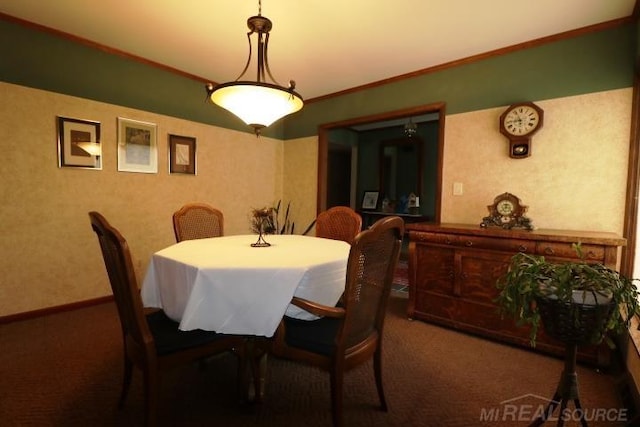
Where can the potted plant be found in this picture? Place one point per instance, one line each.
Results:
(577, 302)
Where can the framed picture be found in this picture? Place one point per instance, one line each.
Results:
(182, 154)
(370, 200)
(137, 146)
(79, 144)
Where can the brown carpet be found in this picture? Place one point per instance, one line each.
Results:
(66, 369)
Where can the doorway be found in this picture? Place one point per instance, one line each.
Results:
(339, 183)
(325, 174)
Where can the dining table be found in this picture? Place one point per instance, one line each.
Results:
(226, 285)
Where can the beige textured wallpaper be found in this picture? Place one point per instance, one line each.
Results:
(301, 180)
(48, 254)
(574, 179)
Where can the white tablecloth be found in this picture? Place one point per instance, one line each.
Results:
(223, 284)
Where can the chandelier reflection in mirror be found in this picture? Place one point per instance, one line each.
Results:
(258, 103)
(410, 128)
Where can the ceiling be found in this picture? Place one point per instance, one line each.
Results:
(325, 46)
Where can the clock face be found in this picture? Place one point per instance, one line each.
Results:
(521, 120)
(505, 207)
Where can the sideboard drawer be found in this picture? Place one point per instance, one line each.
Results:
(508, 245)
(434, 238)
(565, 250)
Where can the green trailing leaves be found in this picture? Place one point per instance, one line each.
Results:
(530, 277)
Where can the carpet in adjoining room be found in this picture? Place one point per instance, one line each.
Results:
(401, 277)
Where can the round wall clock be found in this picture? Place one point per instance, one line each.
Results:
(518, 123)
(507, 212)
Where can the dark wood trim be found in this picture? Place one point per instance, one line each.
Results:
(323, 160)
(53, 310)
(633, 181)
(323, 145)
(443, 114)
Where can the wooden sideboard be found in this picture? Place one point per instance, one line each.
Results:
(453, 269)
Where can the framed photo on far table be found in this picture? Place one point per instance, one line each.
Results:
(370, 200)
(182, 154)
(137, 146)
(79, 144)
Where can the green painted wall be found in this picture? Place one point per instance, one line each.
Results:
(589, 63)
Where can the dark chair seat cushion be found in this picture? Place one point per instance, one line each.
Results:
(317, 336)
(169, 339)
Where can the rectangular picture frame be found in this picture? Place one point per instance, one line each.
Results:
(370, 200)
(79, 143)
(137, 146)
(182, 154)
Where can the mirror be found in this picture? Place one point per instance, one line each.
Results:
(400, 170)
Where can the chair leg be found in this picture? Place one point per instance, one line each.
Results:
(151, 397)
(241, 375)
(252, 370)
(337, 380)
(126, 380)
(377, 371)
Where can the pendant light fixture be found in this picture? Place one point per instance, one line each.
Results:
(258, 103)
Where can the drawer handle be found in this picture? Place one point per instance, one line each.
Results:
(591, 254)
(522, 248)
(447, 241)
(468, 243)
(549, 251)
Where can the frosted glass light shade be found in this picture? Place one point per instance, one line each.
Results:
(258, 104)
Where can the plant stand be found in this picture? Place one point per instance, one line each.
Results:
(573, 324)
(567, 391)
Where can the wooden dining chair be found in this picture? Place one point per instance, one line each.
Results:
(152, 341)
(347, 336)
(339, 223)
(197, 221)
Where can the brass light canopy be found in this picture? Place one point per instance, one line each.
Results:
(258, 103)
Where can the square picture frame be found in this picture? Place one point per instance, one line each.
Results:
(137, 146)
(79, 143)
(182, 154)
(370, 200)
